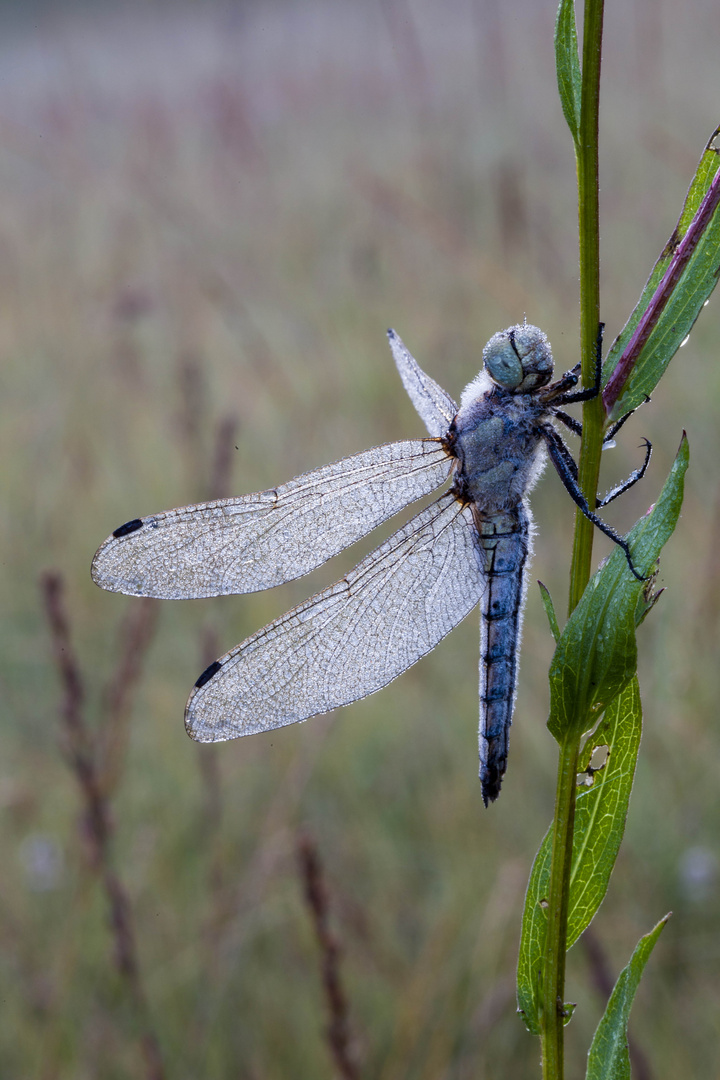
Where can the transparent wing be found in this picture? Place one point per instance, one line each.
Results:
(351, 639)
(260, 540)
(436, 408)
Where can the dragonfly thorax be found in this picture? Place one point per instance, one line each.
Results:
(497, 443)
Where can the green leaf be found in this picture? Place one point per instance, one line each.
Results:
(549, 611)
(532, 938)
(567, 64)
(686, 295)
(609, 1058)
(601, 807)
(597, 654)
(593, 669)
(600, 816)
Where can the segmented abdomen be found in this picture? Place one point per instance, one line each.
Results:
(505, 538)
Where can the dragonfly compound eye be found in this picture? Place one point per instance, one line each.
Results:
(502, 361)
(519, 358)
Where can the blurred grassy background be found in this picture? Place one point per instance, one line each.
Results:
(215, 212)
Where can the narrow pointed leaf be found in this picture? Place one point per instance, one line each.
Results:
(600, 816)
(549, 611)
(532, 938)
(567, 63)
(597, 654)
(681, 283)
(609, 1058)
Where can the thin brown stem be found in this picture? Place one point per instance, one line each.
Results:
(316, 897)
(81, 755)
(222, 462)
(136, 633)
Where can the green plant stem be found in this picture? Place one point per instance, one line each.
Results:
(589, 236)
(553, 1019)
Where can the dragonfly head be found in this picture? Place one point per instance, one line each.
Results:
(519, 358)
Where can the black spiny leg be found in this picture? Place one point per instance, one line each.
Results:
(569, 421)
(571, 465)
(619, 423)
(557, 391)
(563, 460)
(632, 479)
(566, 468)
(594, 390)
(577, 429)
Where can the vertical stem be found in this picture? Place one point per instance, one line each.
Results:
(553, 1016)
(589, 234)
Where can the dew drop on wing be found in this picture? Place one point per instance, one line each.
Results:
(208, 673)
(128, 527)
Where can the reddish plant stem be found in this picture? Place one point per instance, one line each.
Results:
(678, 263)
(136, 634)
(97, 820)
(222, 460)
(316, 897)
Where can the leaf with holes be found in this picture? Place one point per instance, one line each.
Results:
(600, 816)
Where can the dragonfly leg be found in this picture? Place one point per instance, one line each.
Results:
(612, 432)
(633, 478)
(557, 390)
(594, 390)
(569, 421)
(576, 425)
(570, 464)
(566, 469)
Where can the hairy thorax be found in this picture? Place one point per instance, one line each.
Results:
(500, 454)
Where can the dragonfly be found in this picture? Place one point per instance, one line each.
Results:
(469, 547)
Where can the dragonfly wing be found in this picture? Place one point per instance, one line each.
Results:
(260, 540)
(351, 639)
(436, 408)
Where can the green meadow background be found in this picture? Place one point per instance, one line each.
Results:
(209, 217)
